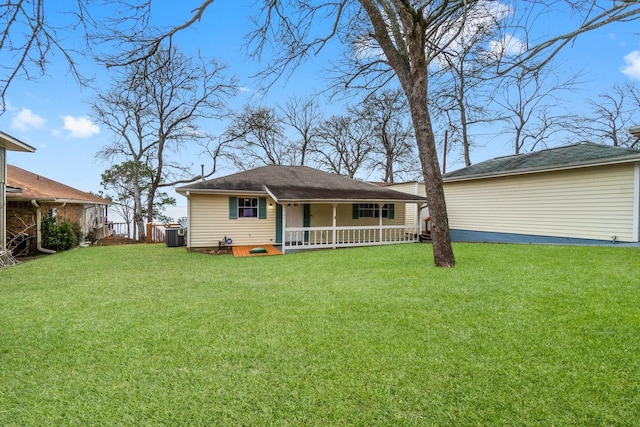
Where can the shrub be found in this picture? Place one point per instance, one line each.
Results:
(60, 237)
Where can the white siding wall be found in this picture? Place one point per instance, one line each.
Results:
(587, 203)
(209, 223)
(411, 210)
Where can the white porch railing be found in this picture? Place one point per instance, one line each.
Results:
(340, 237)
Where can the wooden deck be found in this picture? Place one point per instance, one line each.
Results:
(246, 250)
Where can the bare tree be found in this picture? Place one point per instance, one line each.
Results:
(152, 110)
(611, 115)
(531, 107)
(28, 40)
(303, 115)
(462, 74)
(393, 142)
(257, 138)
(344, 144)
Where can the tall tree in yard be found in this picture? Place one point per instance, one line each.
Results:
(152, 110)
(119, 181)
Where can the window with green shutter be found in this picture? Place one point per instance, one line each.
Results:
(247, 207)
(372, 210)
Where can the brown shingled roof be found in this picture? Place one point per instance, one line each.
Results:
(299, 184)
(33, 186)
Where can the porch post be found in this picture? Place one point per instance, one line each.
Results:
(416, 223)
(284, 227)
(333, 239)
(380, 222)
(636, 204)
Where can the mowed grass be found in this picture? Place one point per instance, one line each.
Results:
(148, 335)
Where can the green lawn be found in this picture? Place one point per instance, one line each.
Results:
(149, 335)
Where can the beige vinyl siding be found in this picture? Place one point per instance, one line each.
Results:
(411, 209)
(586, 203)
(321, 216)
(209, 223)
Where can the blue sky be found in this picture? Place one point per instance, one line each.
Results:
(51, 113)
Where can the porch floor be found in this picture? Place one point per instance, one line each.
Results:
(239, 251)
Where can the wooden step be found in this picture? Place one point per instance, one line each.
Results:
(426, 235)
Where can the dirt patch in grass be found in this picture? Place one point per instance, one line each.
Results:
(115, 240)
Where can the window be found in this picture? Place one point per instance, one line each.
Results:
(247, 207)
(372, 210)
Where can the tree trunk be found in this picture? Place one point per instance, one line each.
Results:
(416, 91)
(442, 250)
(138, 219)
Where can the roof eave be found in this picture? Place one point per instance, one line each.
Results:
(619, 160)
(340, 201)
(14, 144)
(186, 191)
(18, 197)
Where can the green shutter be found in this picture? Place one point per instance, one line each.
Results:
(391, 209)
(355, 211)
(262, 208)
(278, 223)
(233, 208)
(306, 219)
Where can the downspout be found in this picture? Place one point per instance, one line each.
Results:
(38, 229)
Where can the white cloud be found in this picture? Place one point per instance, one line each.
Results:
(509, 45)
(632, 69)
(26, 120)
(81, 127)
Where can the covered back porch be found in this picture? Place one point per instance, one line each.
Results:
(336, 225)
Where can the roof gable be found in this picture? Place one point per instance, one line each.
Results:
(297, 183)
(33, 186)
(570, 156)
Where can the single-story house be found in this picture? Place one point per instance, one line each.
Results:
(297, 207)
(581, 193)
(32, 197)
(7, 143)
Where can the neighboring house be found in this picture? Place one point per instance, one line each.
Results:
(296, 207)
(33, 197)
(7, 143)
(581, 193)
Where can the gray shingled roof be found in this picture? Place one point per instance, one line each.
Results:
(299, 184)
(570, 156)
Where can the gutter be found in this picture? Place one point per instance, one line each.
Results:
(39, 229)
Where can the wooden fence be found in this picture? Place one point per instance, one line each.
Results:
(155, 232)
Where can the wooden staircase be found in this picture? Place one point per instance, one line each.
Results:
(426, 231)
